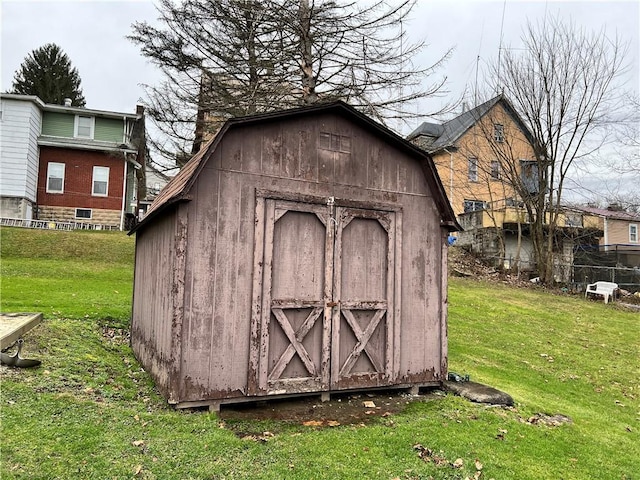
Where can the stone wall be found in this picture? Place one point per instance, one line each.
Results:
(67, 214)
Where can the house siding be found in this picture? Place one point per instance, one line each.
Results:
(56, 124)
(21, 123)
(618, 232)
(109, 130)
(78, 180)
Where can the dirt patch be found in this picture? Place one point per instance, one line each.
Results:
(311, 412)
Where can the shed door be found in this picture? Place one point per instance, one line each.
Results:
(363, 323)
(324, 284)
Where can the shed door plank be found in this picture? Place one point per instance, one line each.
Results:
(258, 255)
(267, 264)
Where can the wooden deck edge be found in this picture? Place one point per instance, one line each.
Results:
(13, 333)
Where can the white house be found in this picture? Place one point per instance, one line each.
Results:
(21, 122)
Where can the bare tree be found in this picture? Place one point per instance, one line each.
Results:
(625, 157)
(225, 58)
(563, 84)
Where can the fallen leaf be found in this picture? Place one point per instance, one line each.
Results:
(312, 423)
(333, 423)
(137, 443)
(386, 414)
(458, 463)
(478, 465)
(369, 412)
(137, 470)
(369, 404)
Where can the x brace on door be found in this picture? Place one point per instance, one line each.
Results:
(295, 346)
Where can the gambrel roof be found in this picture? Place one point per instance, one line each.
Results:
(177, 190)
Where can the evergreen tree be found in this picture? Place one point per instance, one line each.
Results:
(47, 72)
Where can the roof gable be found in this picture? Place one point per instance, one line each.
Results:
(455, 128)
(177, 190)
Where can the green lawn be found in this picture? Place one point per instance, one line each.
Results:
(90, 412)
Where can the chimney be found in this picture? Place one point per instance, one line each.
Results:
(139, 109)
(615, 207)
(67, 102)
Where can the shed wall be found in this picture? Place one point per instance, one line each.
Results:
(152, 332)
(285, 157)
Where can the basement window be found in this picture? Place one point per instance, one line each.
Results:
(83, 213)
(473, 206)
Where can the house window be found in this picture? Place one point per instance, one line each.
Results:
(633, 233)
(84, 126)
(573, 220)
(495, 170)
(498, 132)
(55, 177)
(529, 175)
(100, 181)
(473, 206)
(473, 169)
(83, 213)
(334, 142)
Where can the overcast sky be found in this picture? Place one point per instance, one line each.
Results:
(92, 33)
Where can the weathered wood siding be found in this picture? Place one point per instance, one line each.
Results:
(156, 341)
(286, 156)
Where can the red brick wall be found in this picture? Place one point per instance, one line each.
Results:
(78, 179)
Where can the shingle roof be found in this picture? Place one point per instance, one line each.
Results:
(427, 128)
(604, 212)
(177, 190)
(453, 129)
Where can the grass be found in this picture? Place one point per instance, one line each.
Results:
(90, 411)
(77, 274)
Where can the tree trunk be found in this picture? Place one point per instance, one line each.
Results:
(309, 94)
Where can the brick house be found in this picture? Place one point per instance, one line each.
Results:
(69, 164)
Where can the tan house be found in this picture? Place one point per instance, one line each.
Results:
(480, 154)
(621, 229)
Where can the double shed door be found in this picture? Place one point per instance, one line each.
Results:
(325, 287)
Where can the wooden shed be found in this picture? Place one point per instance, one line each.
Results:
(301, 251)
